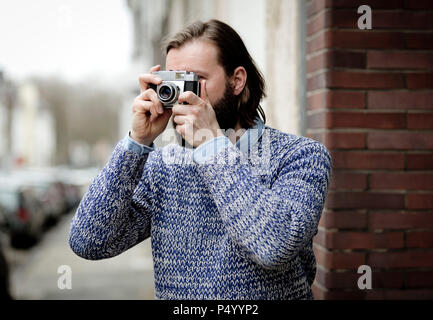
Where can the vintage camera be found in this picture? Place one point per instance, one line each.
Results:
(174, 83)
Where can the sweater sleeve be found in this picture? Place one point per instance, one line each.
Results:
(270, 225)
(114, 214)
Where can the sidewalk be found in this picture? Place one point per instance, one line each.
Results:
(34, 273)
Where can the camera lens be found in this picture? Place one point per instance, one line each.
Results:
(165, 92)
(168, 93)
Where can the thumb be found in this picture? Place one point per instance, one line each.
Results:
(203, 93)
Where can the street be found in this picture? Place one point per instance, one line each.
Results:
(35, 273)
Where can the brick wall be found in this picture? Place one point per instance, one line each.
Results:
(370, 101)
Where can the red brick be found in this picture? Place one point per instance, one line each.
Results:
(319, 22)
(357, 200)
(399, 60)
(318, 81)
(363, 80)
(399, 294)
(333, 280)
(318, 62)
(400, 100)
(419, 81)
(419, 161)
(355, 80)
(400, 220)
(420, 201)
(343, 219)
(318, 120)
(337, 59)
(381, 19)
(419, 239)
(367, 160)
(377, 4)
(319, 41)
(364, 40)
(359, 39)
(402, 259)
(345, 99)
(348, 180)
(401, 181)
(348, 59)
(387, 279)
(318, 292)
(345, 295)
(363, 240)
(419, 40)
(349, 279)
(344, 18)
(316, 101)
(400, 140)
(402, 20)
(316, 6)
(339, 260)
(336, 100)
(420, 121)
(345, 140)
(419, 4)
(367, 120)
(419, 279)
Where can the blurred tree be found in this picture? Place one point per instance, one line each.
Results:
(83, 112)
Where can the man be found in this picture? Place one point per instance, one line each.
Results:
(230, 218)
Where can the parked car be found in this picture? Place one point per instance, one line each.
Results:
(5, 293)
(23, 213)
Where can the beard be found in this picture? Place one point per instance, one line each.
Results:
(226, 112)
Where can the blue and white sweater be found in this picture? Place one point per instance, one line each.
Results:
(226, 221)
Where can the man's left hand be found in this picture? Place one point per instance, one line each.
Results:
(196, 121)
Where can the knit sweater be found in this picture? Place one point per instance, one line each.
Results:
(238, 225)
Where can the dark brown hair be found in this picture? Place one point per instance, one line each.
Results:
(232, 54)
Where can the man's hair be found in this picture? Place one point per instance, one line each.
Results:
(232, 54)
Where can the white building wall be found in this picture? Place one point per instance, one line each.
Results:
(33, 129)
(283, 67)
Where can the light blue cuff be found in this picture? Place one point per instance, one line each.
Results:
(132, 145)
(210, 148)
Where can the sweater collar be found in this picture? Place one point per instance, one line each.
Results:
(251, 136)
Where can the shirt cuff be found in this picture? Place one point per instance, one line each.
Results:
(132, 145)
(210, 148)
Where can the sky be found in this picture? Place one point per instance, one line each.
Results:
(71, 39)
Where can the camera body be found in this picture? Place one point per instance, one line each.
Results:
(173, 84)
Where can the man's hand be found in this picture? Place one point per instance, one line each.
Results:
(149, 117)
(196, 122)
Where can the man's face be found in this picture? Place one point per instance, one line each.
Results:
(200, 56)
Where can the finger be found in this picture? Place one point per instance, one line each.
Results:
(151, 95)
(203, 93)
(181, 129)
(146, 78)
(140, 106)
(146, 107)
(180, 120)
(155, 68)
(189, 97)
(181, 109)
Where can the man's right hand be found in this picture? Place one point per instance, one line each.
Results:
(149, 117)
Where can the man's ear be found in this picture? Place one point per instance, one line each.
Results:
(238, 80)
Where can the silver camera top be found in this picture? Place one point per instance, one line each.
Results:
(176, 75)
